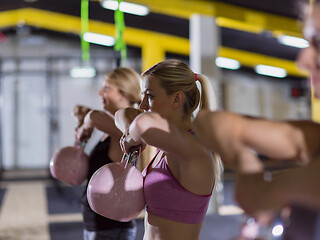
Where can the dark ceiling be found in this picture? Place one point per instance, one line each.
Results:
(289, 8)
(259, 43)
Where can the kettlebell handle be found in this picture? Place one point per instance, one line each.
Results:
(80, 144)
(132, 158)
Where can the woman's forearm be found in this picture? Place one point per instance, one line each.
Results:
(102, 121)
(152, 129)
(223, 132)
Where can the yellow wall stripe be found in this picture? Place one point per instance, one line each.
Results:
(132, 36)
(154, 42)
(11, 18)
(250, 59)
(315, 107)
(241, 18)
(154, 45)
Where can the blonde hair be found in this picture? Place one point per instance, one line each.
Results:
(128, 81)
(175, 75)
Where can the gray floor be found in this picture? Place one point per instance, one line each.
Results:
(38, 208)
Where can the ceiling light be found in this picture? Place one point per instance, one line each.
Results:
(98, 39)
(83, 72)
(126, 7)
(293, 41)
(271, 71)
(227, 63)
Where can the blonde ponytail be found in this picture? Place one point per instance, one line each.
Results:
(208, 99)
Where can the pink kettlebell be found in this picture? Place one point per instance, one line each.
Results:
(70, 165)
(115, 190)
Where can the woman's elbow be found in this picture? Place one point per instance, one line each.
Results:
(143, 123)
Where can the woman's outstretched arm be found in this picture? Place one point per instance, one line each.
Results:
(238, 138)
(100, 120)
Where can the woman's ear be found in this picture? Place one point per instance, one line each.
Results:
(178, 99)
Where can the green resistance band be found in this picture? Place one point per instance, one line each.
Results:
(120, 44)
(85, 46)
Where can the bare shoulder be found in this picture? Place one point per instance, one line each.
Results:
(217, 117)
(193, 148)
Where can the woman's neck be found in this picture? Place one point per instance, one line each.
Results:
(183, 124)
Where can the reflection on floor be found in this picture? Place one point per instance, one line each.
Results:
(35, 207)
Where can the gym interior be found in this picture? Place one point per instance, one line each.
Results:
(41, 47)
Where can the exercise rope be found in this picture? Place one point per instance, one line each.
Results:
(120, 44)
(85, 46)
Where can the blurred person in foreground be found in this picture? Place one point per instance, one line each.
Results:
(240, 139)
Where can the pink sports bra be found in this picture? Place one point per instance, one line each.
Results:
(167, 198)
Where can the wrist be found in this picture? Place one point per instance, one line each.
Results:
(278, 194)
(88, 121)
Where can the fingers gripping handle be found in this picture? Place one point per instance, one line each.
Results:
(131, 159)
(80, 144)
